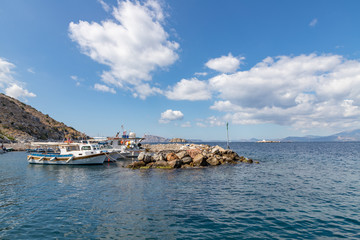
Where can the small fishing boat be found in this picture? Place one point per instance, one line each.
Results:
(126, 146)
(68, 153)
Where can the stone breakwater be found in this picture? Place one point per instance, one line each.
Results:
(186, 156)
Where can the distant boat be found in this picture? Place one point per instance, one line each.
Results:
(267, 141)
(70, 154)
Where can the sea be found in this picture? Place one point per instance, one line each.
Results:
(297, 191)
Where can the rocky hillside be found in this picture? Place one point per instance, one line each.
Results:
(21, 122)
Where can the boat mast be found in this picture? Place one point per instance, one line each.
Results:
(227, 133)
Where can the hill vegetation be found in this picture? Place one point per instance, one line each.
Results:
(21, 122)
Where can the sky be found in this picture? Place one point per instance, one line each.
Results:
(271, 69)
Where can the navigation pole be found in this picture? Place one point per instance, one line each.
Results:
(227, 134)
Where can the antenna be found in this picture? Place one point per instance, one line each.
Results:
(227, 133)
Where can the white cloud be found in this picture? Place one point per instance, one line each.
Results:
(192, 90)
(211, 122)
(201, 74)
(313, 22)
(186, 124)
(104, 88)
(133, 44)
(77, 80)
(170, 115)
(18, 92)
(12, 87)
(104, 5)
(30, 70)
(225, 64)
(306, 91)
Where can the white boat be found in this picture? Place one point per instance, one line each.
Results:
(83, 153)
(126, 146)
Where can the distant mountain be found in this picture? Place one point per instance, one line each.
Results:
(346, 136)
(152, 139)
(21, 122)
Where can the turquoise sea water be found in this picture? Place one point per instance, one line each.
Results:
(298, 191)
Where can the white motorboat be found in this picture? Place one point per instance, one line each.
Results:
(67, 153)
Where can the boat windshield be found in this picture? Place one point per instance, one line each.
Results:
(88, 147)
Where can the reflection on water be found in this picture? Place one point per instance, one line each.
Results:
(298, 190)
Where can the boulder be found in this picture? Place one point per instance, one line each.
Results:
(158, 157)
(247, 160)
(199, 160)
(141, 156)
(193, 152)
(182, 154)
(160, 163)
(171, 157)
(175, 163)
(228, 160)
(186, 160)
(147, 158)
(230, 154)
(213, 161)
(137, 164)
(219, 148)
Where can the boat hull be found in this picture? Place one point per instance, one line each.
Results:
(66, 159)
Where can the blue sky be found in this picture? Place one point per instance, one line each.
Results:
(184, 68)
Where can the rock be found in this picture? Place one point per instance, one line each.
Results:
(182, 154)
(230, 154)
(137, 164)
(215, 151)
(199, 160)
(157, 157)
(160, 163)
(193, 152)
(175, 163)
(218, 148)
(228, 160)
(186, 160)
(171, 157)
(147, 158)
(247, 160)
(141, 156)
(186, 166)
(213, 161)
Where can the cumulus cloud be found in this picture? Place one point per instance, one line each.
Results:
(12, 87)
(133, 44)
(225, 64)
(306, 91)
(170, 115)
(104, 88)
(192, 89)
(18, 92)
